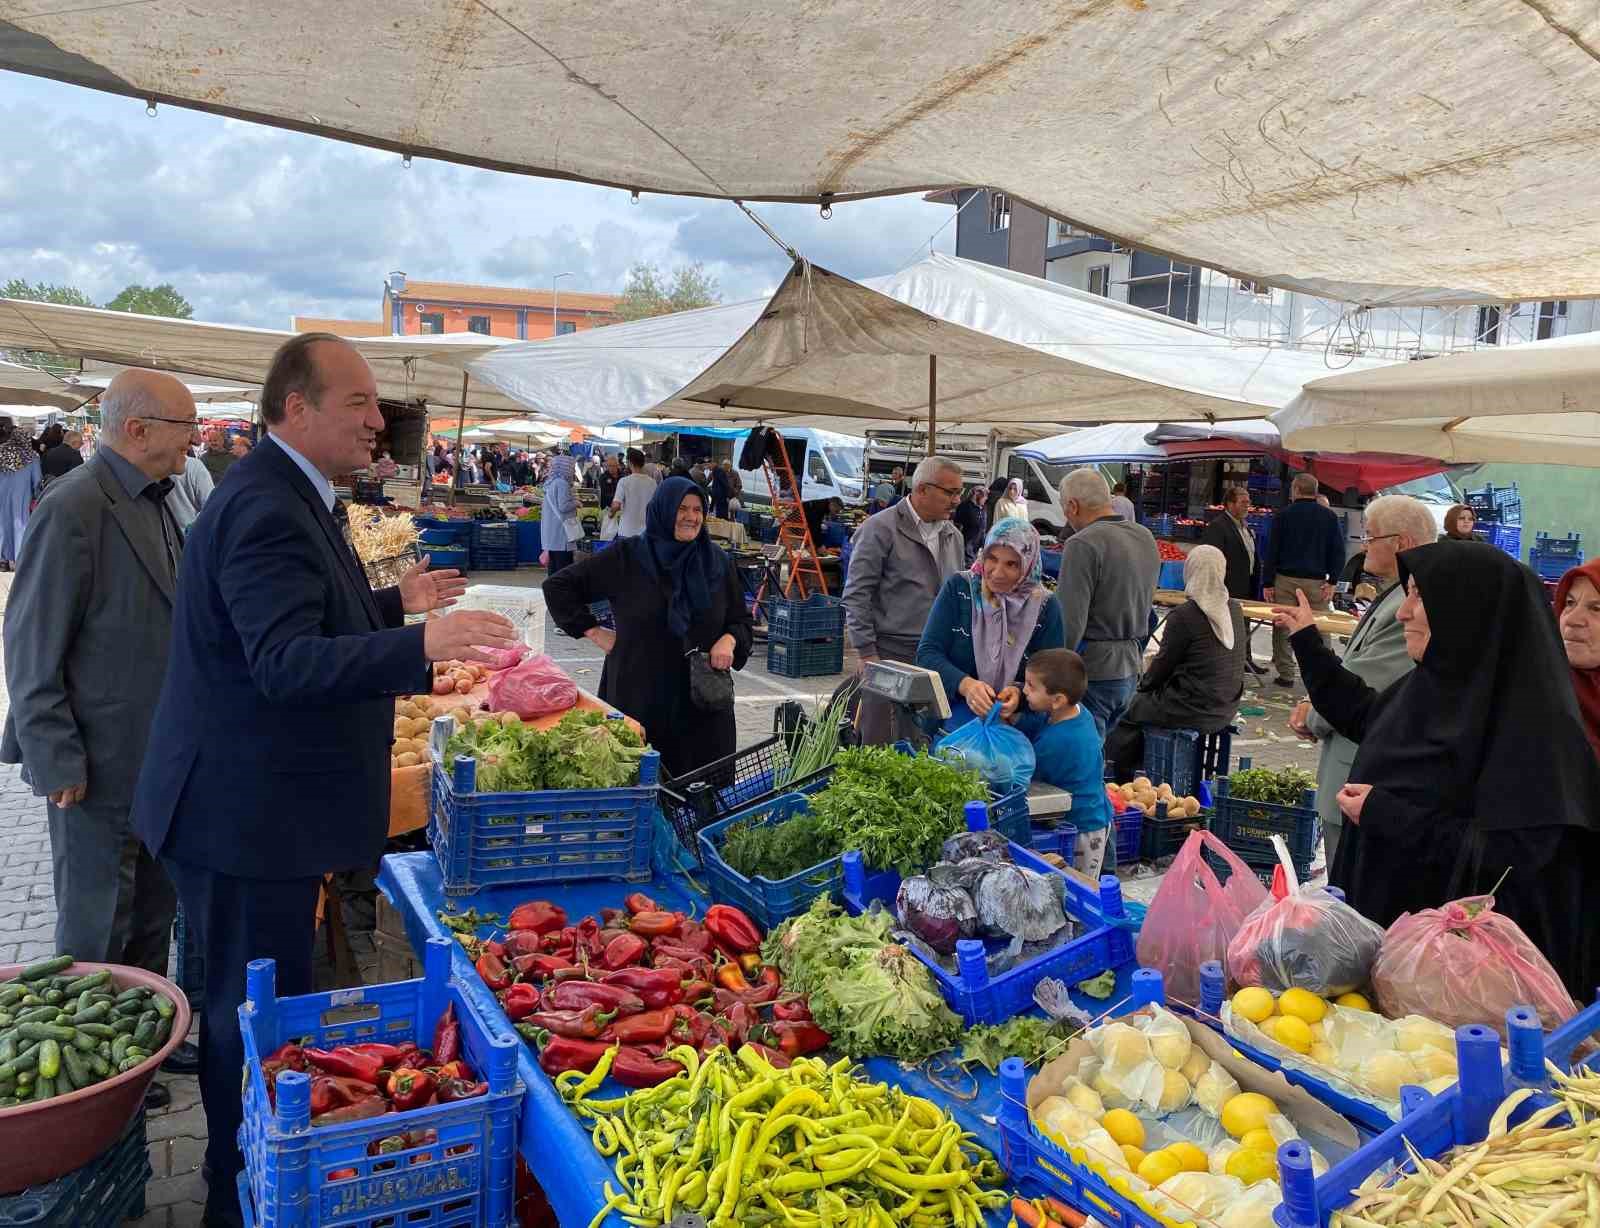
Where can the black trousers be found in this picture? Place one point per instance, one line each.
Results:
(238, 920)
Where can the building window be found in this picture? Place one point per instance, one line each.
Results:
(1250, 286)
(999, 212)
(1488, 330)
(563, 327)
(478, 324)
(1100, 280)
(1552, 319)
(433, 321)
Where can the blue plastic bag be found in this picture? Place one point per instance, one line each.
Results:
(1000, 753)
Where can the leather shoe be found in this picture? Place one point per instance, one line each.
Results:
(1283, 682)
(184, 1060)
(157, 1097)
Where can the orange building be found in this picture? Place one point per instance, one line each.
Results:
(339, 328)
(412, 308)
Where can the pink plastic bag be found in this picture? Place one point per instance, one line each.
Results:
(534, 687)
(1465, 963)
(1194, 916)
(504, 658)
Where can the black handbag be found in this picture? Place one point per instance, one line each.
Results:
(711, 689)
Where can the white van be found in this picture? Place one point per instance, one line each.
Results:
(834, 467)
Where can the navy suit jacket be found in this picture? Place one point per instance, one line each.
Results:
(269, 751)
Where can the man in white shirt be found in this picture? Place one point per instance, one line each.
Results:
(633, 496)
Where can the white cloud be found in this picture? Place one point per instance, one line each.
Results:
(254, 225)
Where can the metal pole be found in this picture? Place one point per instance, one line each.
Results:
(461, 444)
(555, 307)
(933, 399)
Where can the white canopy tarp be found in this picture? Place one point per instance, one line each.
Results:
(23, 385)
(1137, 443)
(426, 368)
(1012, 351)
(1437, 149)
(1535, 403)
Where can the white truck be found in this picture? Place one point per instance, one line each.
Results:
(983, 457)
(834, 467)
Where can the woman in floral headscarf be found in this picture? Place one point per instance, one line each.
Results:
(19, 482)
(986, 623)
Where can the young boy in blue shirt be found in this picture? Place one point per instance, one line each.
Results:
(1069, 751)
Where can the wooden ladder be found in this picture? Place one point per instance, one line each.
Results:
(794, 533)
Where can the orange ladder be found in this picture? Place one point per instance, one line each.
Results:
(794, 534)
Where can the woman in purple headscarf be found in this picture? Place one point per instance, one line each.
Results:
(986, 623)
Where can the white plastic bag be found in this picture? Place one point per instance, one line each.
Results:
(608, 527)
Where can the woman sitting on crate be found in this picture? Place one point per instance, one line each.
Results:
(672, 593)
(1473, 773)
(986, 623)
(1197, 676)
(1578, 608)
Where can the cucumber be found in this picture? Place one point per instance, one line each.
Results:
(43, 1089)
(39, 1014)
(76, 1068)
(100, 1066)
(144, 1036)
(12, 993)
(163, 1005)
(119, 1048)
(25, 1080)
(49, 1059)
(100, 1031)
(8, 1048)
(135, 994)
(45, 967)
(54, 997)
(95, 1014)
(84, 1042)
(124, 1024)
(128, 1063)
(92, 980)
(131, 1009)
(48, 1031)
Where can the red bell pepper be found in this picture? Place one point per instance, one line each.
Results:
(697, 991)
(562, 1053)
(493, 971)
(637, 902)
(766, 988)
(613, 917)
(575, 995)
(586, 1024)
(540, 916)
(328, 1092)
(523, 942)
(778, 1060)
(460, 1089)
(655, 999)
(797, 1039)
(447, 1036)
(520, 1001)
(587, 938)
(413, 1058)
(732, 930)
(359, 1110)
(633, 1068)
(672, 948)
(559, 942)
(742, 1018)
(457, 1069)
(540, 967)
(749, 964)
(689, 1026)
(289, 1056)
(716, 1034)
(689, 970)
(623, 951)
(655, 924)
(650, 1025)
(731, 976)
(791, 1010)
(387, 1054)
(641, 979)
(494, 946)
(391, 1143)
(410, 1089)
(692, 934)
(346, 1063)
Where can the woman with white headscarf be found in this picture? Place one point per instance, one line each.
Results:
(1197, 677)
(1013, 504)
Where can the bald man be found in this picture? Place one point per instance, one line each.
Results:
(86, 632)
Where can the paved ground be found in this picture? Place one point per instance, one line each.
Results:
(177, 1134)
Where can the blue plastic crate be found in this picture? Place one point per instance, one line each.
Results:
(1129, 825)
(1160, 838)
(101, 1194)
(601, 611)
(1162, 526)
(465, 1176)
(1569, 548)
(833, 534)
(809, 618)
(1058, 838)
(438, 537)
(1550, 567)
(1248, 827)
(458, 531)
(804, 658)
(1505, 537)
(1050, 562)
(550, 836)
(1106, 943)
(1172, 757)
(530, 541)
(442, 557)
(1260, 868)
(1171, 575)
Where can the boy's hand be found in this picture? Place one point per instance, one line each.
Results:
(979, 696)
(1010, 700)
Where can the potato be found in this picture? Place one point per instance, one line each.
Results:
(463, 715)
(402, 727)
(420, 726)
(1191, 807)
(422, 705)
(509, 719)
(409, 759)
(405, 708)
(463, 686)
(401, 746)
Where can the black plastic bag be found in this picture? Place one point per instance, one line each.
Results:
(1016, 903)
(939, 914)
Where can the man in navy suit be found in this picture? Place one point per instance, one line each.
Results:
(270, 764)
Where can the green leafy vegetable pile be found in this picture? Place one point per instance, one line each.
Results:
(1283, 787)
(777, 850)
(1027, 1036)
(583, 751)
(871, 994)
(897, 809)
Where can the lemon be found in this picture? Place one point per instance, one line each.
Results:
(1259, 1140)
(1294, 1033)
(1323, 1054)
(1246, 1112)
(1133, 1155)
(1190, 1156)
(1159, 1166)
(1123, 1127)
(1251, 1166)
(1302, 1004)
(1254, 1003)
(1354, 1001)
(1269, 1027)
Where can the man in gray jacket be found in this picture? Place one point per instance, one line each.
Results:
(899, 558)
(1109, 569)
(1376, 651)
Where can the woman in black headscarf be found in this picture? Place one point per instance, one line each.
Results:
(672, 591)
(1474, 765)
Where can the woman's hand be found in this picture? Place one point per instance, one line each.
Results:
(1297, 720)
(603, 638)
(1351, 800)
(722, 653)
(979, 696)
(1009, 700)
(1297, 619)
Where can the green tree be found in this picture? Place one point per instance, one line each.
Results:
(162, 300)
(647, 293)
(43, 292)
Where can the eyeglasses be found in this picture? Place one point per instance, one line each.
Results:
(947, 491)
(1382, 537)
(190, 422)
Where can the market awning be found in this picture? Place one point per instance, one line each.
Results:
(1130, 443)
(1011, 350)
(428, 368)
(1366, 150)
(1534, 403)
(22, 385)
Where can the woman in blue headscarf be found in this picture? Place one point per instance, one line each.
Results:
(986, 623)
(559, 511)
(672, 591)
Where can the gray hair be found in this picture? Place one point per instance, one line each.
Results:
(1088, 487)
(132, 400)
(1402, 514)
(1304, 485)
(930, 467)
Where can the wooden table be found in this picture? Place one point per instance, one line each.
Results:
(1330, 622)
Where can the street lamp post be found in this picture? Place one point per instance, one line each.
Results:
(555, 309)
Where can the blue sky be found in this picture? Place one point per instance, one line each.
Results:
(254, 225)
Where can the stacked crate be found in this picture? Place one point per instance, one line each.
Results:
(805, 637)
